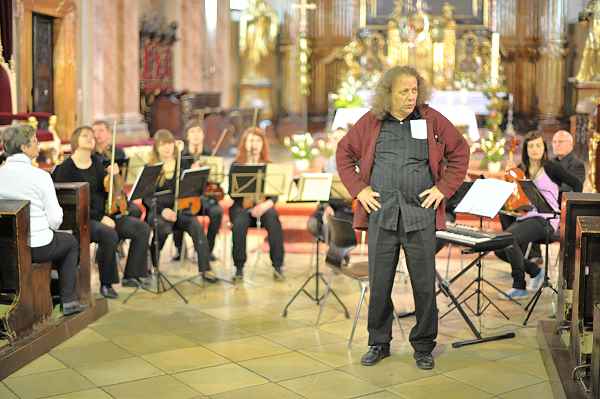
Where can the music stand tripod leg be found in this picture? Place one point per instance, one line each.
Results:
(160, 277)
(302, 289)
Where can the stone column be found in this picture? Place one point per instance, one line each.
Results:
(114, 90)
(551, 77)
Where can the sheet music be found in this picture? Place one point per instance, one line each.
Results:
(315, 186)
(338, 190)
(486, 197)
(277, 178)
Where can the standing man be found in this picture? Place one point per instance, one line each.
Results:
(401, 160)
(562, 147)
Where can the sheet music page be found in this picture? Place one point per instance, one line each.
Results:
(486, 197)
(277, 178)
(315, 186)
(338, 190)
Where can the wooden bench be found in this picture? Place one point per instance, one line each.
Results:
(30, 330)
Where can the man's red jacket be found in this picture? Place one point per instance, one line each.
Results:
(448, 159)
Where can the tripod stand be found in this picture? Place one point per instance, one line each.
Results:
(542, 205)
(161, 279)
(317, 275)
(546, 284)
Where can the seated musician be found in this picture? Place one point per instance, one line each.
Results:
(22, 181)
(164, 150)
(254, 148)
(194, 147)
(548, 176)
(103, 150)
(106, 230)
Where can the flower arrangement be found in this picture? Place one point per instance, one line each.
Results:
(493, 146)
(347, 95)
(301, 146)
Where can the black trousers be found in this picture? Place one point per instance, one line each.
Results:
(242, 220)
(188, 223)
(214, 211)
(384, 252)
(108, 238)
(63, 252)
(523, 231)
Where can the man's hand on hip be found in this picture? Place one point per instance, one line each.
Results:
(368, 199)
(433, 196)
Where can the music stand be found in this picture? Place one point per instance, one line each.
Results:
(144, 187)
(539, 202)
(313, 187)
(482, 198)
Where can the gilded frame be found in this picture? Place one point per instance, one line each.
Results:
(375, 13)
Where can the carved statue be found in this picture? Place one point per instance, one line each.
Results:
(258, 33)
(590, 60)
(449, 43)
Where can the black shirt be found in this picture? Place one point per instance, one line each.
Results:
(400, 173)
(68, 172)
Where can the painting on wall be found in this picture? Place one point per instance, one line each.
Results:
(466, 12)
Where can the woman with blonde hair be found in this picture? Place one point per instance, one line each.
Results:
(164, 150)
(254, 148)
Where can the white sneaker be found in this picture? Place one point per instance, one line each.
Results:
(515, 294)
(536, 282)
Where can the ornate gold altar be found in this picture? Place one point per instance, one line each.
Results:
(448, 57)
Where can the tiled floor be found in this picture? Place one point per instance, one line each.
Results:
(231, 342)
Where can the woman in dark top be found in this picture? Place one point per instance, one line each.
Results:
(105, 230)
(254, 148)
(193, 150)
(164, 150)
(532, 225)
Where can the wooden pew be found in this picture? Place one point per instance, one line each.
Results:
(573, 205)
(596, 354)
(29, 300)
(25, 347)
(586, 293)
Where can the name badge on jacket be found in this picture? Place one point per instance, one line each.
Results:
(418, 129)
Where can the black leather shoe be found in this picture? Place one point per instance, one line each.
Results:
(72, 308)
(108, 292)
(130, 282)
(209, 276)
(212, 258)
(424, 360)
(375, 354)
(239, 274)
(278, 273)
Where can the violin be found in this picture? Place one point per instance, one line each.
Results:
(518, 201)
(114, 184)
(193, 204)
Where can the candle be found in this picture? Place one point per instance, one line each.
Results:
(495, 59)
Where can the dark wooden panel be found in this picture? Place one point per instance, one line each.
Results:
(586, 291)
(573, 205)
(74, 198)
(596, 354)
(43, 61)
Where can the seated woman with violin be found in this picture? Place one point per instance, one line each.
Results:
(106, 227)
(169, 217)
(530, 225)
(193, 150)
(244, 212)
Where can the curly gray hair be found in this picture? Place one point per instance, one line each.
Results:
(16, 136)
(382, 98)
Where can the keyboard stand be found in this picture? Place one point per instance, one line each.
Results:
(457, 304)
(444, 287)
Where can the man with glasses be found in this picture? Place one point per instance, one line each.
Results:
(562, 147)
